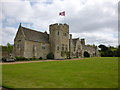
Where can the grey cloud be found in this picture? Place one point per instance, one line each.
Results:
(93, 18)
(81, 17)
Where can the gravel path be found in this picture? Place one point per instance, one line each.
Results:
(18, 62)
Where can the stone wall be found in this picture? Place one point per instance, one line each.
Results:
(78, 48)
(90, 49)
(59, 39)
(36, 49)
(19, 44)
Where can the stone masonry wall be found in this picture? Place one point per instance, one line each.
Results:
(36, 49)
(59, 38)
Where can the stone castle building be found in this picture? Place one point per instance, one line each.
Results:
(30, 43)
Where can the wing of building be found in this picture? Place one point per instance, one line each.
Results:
(31, 43)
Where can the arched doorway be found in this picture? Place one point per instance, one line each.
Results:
(86, 54)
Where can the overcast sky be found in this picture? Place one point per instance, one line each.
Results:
(94, 20)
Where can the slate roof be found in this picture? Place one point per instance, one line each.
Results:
(35, 35)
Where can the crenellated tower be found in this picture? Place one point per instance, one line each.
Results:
(59, 39)
(83, 41)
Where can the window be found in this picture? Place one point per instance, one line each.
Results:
(57, 47)
(58, 32)
(63, 47)
(65, 34)
(43, 46)
(66, 48)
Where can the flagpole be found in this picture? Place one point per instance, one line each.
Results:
(62, 19)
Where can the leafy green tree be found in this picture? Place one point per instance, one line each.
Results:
(9, 47)
(117, 52)
(103, 48)
(109, 51)
(106, 51)
(68, 54)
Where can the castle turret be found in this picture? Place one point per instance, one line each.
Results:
(83, 41)
(59, 39)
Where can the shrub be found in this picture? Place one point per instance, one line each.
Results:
(25, 59)
(20, 58)
(40, 58)
(50, 56)
(68, 55)
(63, 53)
(30, 58)
(33, 58)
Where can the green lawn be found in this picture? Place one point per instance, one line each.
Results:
(85, 73)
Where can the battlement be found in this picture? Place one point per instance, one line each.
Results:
(83, 41)
(58, 26)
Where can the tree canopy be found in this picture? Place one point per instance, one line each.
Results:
(109, 51)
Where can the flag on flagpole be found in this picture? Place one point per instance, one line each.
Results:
(62, 13)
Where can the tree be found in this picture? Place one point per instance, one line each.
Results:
(103, 48)
(9, 47)
(117, 52)
(109, 53)
(68, 54)
(106, 51)
(65, 54)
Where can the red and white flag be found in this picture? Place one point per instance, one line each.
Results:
(62, 13)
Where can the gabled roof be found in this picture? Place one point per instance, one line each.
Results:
(35, 35)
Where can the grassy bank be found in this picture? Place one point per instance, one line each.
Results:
(87, 73)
